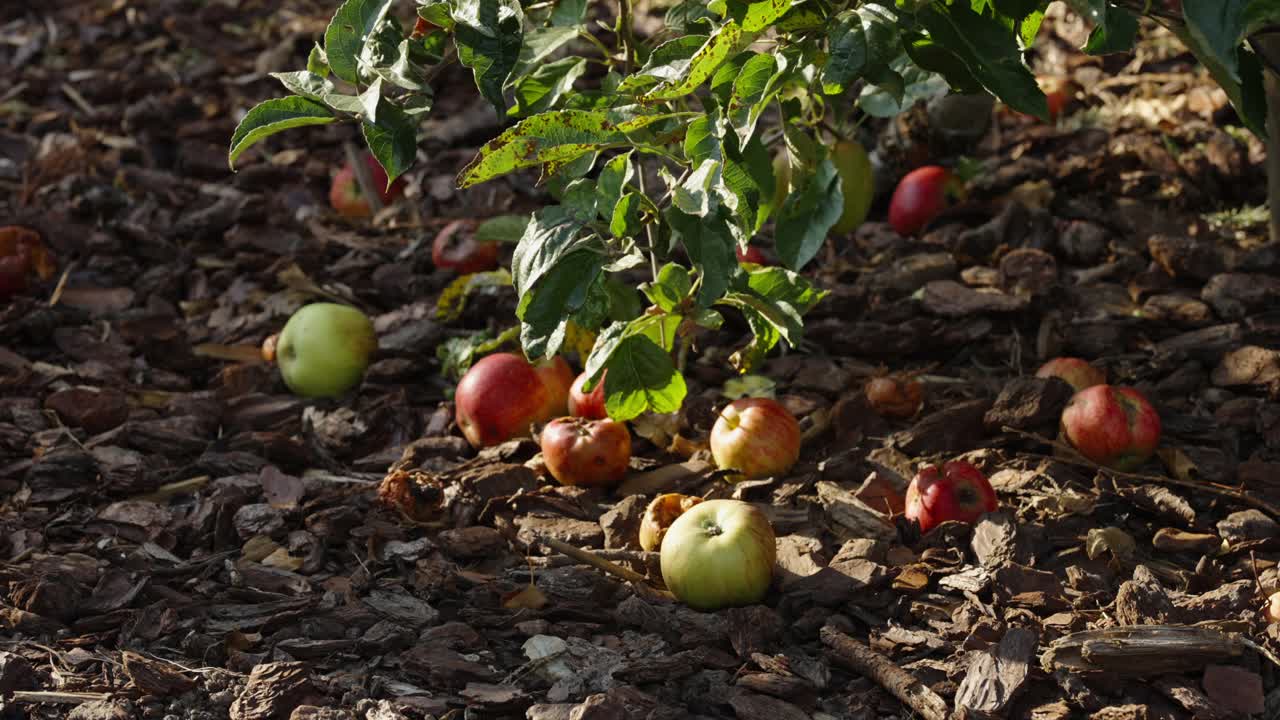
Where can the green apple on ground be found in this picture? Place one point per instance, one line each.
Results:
(502, 395)
(658, 516)
(1115, 427)
(956, 491)
(324, 349)
(1076, 372)
(755, 436)
(584, 452)
(718, 554)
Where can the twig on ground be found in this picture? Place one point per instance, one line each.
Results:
(592, 559)
(900, 683)
(1072, 457)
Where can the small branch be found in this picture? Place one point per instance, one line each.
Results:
(1073, 457)
(70, 698)
(363, 178)
(626, 34)
(593, 560)
(900, 683)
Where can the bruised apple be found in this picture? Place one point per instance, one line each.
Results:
(1076, 372)
(503, 394)
(718, 554)
(955, 491)
(1113, 426)
(591, 453)
(892, 397)
(755, 436)
(588, 404)
(346, 197)
(659, 515)
(324, 349)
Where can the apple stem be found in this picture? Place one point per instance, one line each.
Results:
(592, 559)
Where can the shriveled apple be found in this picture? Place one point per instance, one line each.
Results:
(658, 516)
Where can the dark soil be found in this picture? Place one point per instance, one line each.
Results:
(183, 538)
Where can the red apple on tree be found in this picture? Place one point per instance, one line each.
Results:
(956, 491)
(592, 453)
(503, 394)
(1077, 372)
(588, 404)
(346, 197)
(717, 554)
(457, 249)
(920, 196)
(1113, 426)
(755, 436)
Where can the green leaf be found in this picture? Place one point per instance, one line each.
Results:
(305, 83)
(555, 137)
(272, 116)
(540, 90)
(458, 353)
(317, 62)
(749, 176)
(1218, 28)
(544, 311)
(502, 228)
(918, 84)
(682, 17)
(782, 285)
(1017, 9)
(721, 45)
(626, 220)
(1114, 29)
(1243, 83)
(551, 234)
(807, 215)
(641, 378)
(540, 43)
(345, 36)
(393, 139)
(755, 16)
(710, 243)
(755, 87)
(769, 322)
(569, 13)
(668, 62)
(863, 42)
(989, 51)
(671, 289)
(489, 35)
(612, 183)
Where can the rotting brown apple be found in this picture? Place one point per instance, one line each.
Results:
(658, 516)
(1076, 372)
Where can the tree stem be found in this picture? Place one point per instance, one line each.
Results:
(626, 34)
(1272, 83)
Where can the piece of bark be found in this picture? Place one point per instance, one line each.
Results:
(997, 675)
(1142, 650)
(898, 682)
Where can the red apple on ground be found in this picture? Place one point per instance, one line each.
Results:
(1077, 372)
(752, 254)
(455, 248)
(1113, 426)
(920, 196)
(591, 453)
(324, 349)
(717, 554)
(503, 394)
(755, 436)
(956, 491)
(23, 255)
(892, 397)
(346, 197)
(659, 515)
(588, 404)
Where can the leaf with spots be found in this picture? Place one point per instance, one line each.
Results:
(719, 47)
